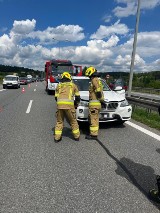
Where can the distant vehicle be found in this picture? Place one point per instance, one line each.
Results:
(23, 80)
(118, 83)
(117, 107)
(29, 76)
(11, 81)
(53, 70)
(34, 79)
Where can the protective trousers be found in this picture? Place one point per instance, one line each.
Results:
(71, 115)
(94, 121)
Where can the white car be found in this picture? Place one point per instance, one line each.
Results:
(117, 107)
(11, 81)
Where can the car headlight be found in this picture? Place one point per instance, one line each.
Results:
(84, 103)
(124, 103)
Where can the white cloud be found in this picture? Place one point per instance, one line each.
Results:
(23, 27)
(107, 18)
(148, 44)
(18, 49)
(71, 33)
(106, 31)
(131, 7)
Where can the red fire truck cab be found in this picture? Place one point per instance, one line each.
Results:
(53, 70)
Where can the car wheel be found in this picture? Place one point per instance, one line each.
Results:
(49, 92)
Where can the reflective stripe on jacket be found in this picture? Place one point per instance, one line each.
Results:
(65, 93)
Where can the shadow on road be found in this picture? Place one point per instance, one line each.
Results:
(141, 176)
(67, 132)
(158, 150)
(84, 126)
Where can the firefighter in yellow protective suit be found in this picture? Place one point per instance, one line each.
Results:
(65, 93)
(96, 101)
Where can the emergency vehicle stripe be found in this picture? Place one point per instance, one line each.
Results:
(94, 128)
(75, 131)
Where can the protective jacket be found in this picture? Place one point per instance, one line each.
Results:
(95, 93)
(65, 93)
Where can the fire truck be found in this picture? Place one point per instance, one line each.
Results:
(53, 70)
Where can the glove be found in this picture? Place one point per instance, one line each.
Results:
(75, 104)
(103, 104)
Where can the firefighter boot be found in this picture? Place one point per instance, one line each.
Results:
(91, 137)
(56, 141)
(155, 194)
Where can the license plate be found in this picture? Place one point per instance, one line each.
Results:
(106, 115)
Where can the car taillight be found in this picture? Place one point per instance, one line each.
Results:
(52, 79)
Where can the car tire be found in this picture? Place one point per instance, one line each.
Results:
(49, 92)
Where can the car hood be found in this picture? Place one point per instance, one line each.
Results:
(108, 96)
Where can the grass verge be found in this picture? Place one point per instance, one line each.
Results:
(151, 119)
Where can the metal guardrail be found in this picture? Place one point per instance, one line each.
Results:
(151, 98)
(148, 104)
(146, 90)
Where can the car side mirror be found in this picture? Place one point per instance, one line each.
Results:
(118, 88)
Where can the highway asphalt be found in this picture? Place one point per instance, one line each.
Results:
(110, 175)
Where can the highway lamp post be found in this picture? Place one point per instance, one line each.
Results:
(66, 40)
(134, 49)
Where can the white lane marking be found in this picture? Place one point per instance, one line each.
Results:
(143, 130)
(29, 106)
(34, 90)
(2, 90)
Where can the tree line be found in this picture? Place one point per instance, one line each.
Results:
(21, 71)
(145, 79)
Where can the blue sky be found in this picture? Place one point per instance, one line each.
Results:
(98, 33)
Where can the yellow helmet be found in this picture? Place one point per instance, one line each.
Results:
(66, 75)
(90, 71)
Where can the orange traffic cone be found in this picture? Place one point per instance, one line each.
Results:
(23, 90)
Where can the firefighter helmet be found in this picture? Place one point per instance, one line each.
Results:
(90, 71)
(66, 75)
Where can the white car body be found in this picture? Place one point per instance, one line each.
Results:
(117, 107)
(11, 81)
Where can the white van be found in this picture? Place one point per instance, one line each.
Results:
(11, 81)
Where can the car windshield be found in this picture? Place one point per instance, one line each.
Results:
(105, 86)
(22, 78)
(10, 78)
(60, 69)
(83, 84)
